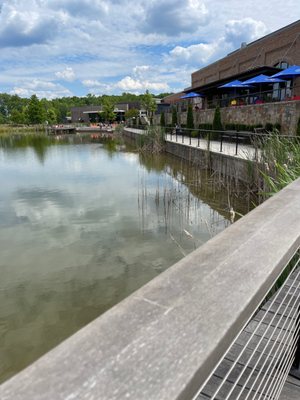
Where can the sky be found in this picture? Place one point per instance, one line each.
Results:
(57, 48)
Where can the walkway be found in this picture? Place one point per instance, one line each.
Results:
(228, 147)
(256, 365)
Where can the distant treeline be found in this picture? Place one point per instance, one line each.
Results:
(18, 110)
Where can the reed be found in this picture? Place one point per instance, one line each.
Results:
(9, 129)
(280, 161)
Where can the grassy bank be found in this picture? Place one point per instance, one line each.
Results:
(9, 129)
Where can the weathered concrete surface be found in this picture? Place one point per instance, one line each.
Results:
(163, 341)
(238, 169)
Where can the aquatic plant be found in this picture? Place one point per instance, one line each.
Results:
(280, 160)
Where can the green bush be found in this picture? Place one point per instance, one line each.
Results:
(190, 117)
(174, 116)
(298, 128)
(269, 127)
(217, 123)
(162, 119)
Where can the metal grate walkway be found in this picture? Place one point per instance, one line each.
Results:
(257, 364)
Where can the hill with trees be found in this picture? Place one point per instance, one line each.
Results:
(17, 110)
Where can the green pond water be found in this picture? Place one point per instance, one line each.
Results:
(84, 225)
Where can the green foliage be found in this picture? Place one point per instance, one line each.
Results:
(281, 160)
(269, 127)
(242, 127)
(174, 116)
(18, 117)
(162, 119)
(217, 123)
(12, 106)
(132, 113)
(51, 116)
(108, 107)
(190, 117)
(298, 128)
(149, 104)
(35, 111)
(206, 126)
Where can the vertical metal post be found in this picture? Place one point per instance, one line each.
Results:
(182, 136)
(199, 139)
(295, 370)
(190, 133)
(221, 143)
(236, 142)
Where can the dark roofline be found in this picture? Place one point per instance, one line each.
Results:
(250, 44)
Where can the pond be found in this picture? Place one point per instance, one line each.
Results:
(84, 225)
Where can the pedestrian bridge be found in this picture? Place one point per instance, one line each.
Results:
(213, 326)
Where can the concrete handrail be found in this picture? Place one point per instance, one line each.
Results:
(164, 340)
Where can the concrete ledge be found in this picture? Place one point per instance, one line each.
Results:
(163, 341)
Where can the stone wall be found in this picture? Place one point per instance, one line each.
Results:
(286, 113)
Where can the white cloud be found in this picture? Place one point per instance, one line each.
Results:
(236, 32)
(92, 83)
(43, 89)
(141, 70)
(244, 30)
(130, 84)
(115, 45)
(127, 84)
(173, 17)
(67, 74)
(26, 24)
(197, 53)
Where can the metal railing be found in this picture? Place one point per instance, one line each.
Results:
(259, 368)
(166, 339)
(254, 96)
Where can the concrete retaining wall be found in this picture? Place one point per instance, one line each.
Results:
(227, 166)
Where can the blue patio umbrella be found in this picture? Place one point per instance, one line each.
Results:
(233, 84)
(260, 79)
(288, 73)
(191, 95)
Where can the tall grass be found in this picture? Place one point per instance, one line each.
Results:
(152, 141)
(280, 158)
(9, 129)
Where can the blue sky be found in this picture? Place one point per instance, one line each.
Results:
(56, 48)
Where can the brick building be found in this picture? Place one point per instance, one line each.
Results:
(279, 49)
(277, 104)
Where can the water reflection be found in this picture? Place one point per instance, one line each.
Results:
(81, 227)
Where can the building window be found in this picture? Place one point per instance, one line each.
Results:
(282, 65)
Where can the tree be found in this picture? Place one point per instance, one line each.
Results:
(162, 119)
(51, 116)
(149, 104)
(190, 117)
(217, 123)
(18, 117)
(108, 107)
(174, 116)
(132, 113)
(35, 111)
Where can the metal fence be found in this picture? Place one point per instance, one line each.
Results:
(266, 351)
